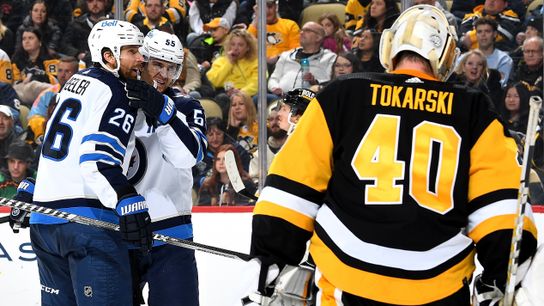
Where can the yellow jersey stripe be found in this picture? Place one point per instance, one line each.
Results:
(389, 289)
(485, 155)
(282, 212)
(328, 295)
(307, 158)
(500, 223)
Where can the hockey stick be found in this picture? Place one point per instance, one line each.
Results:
(535, 103)
(234, 176)
(114, 227)
(4, 219)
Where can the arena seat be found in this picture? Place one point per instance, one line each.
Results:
(533, 5)
(211, 108)
(314, 11)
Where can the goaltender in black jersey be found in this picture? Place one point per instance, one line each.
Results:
(397, 180)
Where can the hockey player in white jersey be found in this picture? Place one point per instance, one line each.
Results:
(161, 171)
(88, 143)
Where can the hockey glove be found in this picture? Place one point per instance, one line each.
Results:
(268, 273)
(485, 294)
(135, 222)
(292, 286)
(20, 218)
(155, 104)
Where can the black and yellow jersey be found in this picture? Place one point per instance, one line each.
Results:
(175, 10)
(6, 74)
(43, 71)
(508, 25)
(396, 180)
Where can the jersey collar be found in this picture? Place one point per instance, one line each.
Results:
(415, 73)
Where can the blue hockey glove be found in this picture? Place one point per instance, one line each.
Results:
(153, 103)
(20, 218)
(135, 222)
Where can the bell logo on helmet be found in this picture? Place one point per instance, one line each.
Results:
(113, 35)
(108, 23)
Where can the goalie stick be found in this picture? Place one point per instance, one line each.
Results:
(114, 227)
(535, 104)
(234, 176)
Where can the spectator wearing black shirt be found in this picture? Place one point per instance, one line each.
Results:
(529, 69)
(7, 38)
(366, 50)
(32, 61)
(38, 17)
(74, 39)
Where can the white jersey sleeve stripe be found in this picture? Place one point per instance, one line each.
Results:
(504, 207)
(288, 200)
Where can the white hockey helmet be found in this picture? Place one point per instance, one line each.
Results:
(422, 29)
(166, 47)
(113, 34)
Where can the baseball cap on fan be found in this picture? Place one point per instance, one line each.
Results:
(217, 22)
(4, 109)
(20, 150)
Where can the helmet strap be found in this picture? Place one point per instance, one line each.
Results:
(292, 125)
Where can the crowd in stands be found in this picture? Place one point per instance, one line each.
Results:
(44, 42)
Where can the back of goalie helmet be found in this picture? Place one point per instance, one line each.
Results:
(422, 29)
(112, 34)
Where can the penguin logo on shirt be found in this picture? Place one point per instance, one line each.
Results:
(273, 38)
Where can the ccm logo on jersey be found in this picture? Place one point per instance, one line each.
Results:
(50, 290)
(133, 207)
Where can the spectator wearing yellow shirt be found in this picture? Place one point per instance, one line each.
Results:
(236, 68)
(281, 34)
(6, 74)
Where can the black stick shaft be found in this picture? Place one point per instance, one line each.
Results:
(114, 227)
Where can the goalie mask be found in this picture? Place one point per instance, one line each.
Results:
(112, 34)
(298, 100)
(163, 54)
(422, 29)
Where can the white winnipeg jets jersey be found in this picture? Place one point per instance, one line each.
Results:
(87, 146)
(160, 167)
